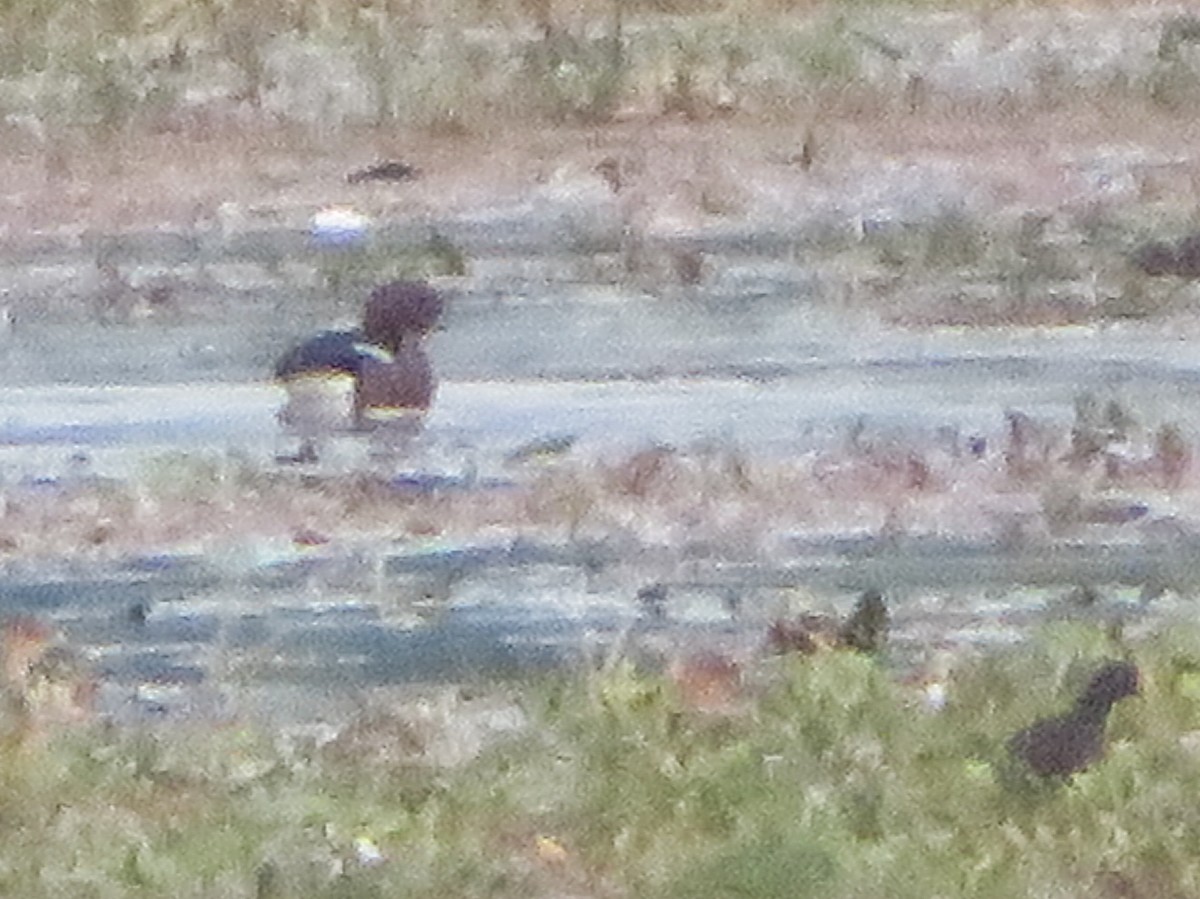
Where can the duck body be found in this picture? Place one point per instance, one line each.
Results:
(399, 391)
(365, 378)
(329, 353)
(1064, 745)
(402, 386)
(320, 377)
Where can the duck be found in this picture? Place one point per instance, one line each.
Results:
(864, 631)
(1062, 746)
(353, 379)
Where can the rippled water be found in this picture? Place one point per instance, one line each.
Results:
(775, 372)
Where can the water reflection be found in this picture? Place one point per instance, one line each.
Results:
(774, 374)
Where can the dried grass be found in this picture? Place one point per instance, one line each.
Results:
(716, 496)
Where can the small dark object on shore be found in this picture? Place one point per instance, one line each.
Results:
(138, 613)
(390, 170)
(1160, 258)
(1155, 258)
(653, 600)
(1067, 744)
(542, 449)
(1113, 512)
(305, 455)
(310, 537)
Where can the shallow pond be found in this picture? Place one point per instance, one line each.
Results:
(773, 374)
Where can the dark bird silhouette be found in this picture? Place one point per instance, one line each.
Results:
(1067, 744)
(390, 170)
(864, 631)
(358, 378)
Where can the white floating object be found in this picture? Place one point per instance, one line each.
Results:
(339, 226)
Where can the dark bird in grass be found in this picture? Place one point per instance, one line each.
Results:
(864, 631)
(390, 170)
(1062, 746)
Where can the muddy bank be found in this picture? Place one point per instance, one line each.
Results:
(915, 164)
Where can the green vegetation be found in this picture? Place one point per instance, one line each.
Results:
(831, 781)
(358, 268)
(115, 67)
(954, 268)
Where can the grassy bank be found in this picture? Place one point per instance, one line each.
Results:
(826, 778)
